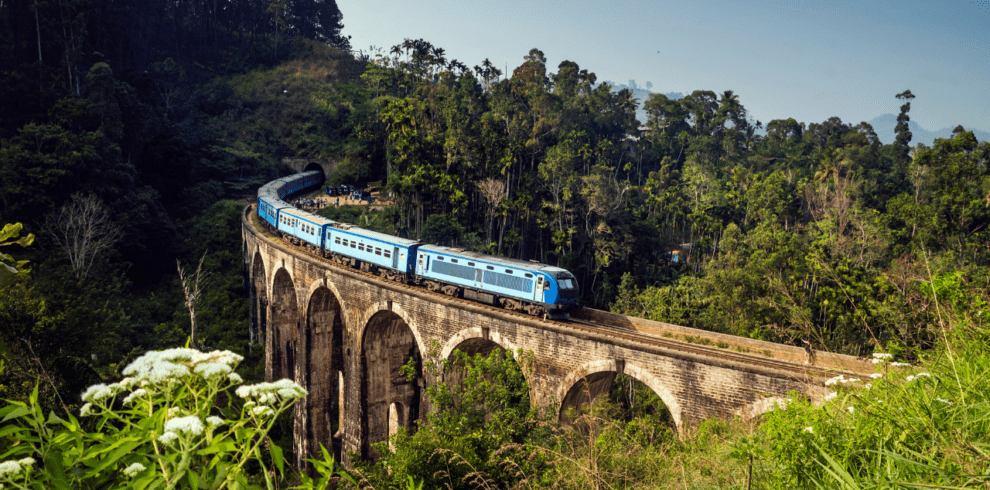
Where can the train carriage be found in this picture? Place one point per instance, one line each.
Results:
(269, 208)
(392, 256)
(304, 228)
(526, 286)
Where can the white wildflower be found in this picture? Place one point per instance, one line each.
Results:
(880, 357)
(190, 425)
(173, 412)
(809, 430)
(249, 405)
(262, 411)
(97, 393)
(266, 392)
(168, 437)
(214, 421)
(876, 375)
(235, 378)
(831, 396)
(292, 393)
(127, 382)
(943, 400)
(86, 410)
(868, 386)
(26, 462)
(132, 470)
(212, 369)
(900, 364)
(910, 378)
(838, 379)
(138, 393)
(927, 375)
(9, 469)
(851, 409)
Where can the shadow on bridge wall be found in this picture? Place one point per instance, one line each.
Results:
(392, 374)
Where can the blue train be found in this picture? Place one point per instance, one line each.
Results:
(530, 287)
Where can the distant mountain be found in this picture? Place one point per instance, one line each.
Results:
(884, 126)
(642, 95)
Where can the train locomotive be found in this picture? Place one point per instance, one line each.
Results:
(529, 287)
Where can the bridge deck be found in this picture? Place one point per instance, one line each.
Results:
(711, 348)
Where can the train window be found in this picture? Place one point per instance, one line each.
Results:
(453, 260)
(353, 244)
(378, 251)
(388, 255)
(491, 268)
(439, 257)
(361, 247)
(529, 275)
(507, 271)
(336, 240)
(346, 242)
(471, 264)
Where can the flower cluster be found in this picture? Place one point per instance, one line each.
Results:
(261, 395)
(840, 379)
(917, 376)
(132, 470)
(13, 468)
(880, 357)
(165, 367)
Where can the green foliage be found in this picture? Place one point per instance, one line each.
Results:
(179, 426)
(10, 267)
(480, 409)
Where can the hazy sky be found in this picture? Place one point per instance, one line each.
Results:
(804, 59)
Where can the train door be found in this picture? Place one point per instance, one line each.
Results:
(538, 296)
(395, 258)
(477, 278)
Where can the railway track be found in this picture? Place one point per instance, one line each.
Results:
(584, 328)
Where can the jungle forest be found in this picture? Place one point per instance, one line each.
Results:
(134, 132)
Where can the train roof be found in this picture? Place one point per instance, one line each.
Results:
(507, 262)
(313, 218)
(403, 242)
(275, 202)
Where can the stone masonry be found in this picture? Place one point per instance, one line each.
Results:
(345, 336)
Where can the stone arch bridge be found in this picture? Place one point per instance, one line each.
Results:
(345, 335)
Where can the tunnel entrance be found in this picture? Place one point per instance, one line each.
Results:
(316, 166)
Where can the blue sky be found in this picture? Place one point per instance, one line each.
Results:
(804, 59)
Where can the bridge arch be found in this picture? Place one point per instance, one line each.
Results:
(322, 370)
(476, 340)
(259, 299)
(584, 384)
(388, 344)
(284, 331)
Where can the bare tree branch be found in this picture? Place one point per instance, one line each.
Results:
(192, 286)
(83, 229)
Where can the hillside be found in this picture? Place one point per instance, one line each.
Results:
(884, 127)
